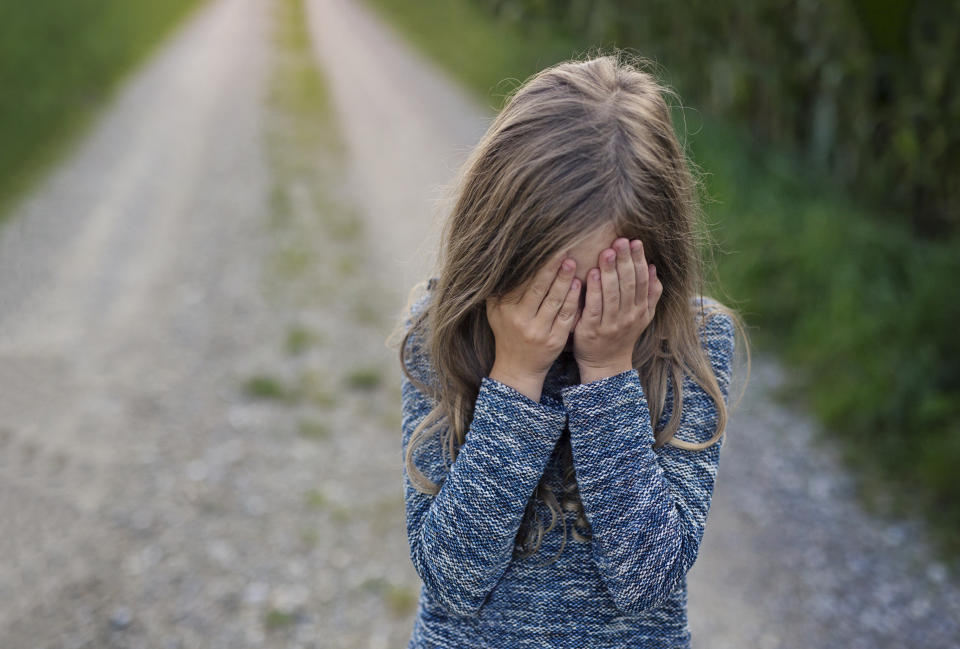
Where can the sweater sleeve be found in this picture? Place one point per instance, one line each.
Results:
(647, 508)
(462, 538)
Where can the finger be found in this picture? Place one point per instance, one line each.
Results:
(626, 272)
(538, 287)
(656, 289)
(556, 296)
(642, 271)
(593, 304)
(610, 283)
(568, 310)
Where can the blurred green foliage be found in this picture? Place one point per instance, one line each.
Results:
(865, 90)
(59, 63)
(864, 312)
(862, 308)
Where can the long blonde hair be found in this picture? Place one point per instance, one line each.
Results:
(581, 144)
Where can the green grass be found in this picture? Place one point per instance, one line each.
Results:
(363, 310)
(301, 338)
(342, 222)
(401, 600)
(313, 387)
(861, 312)
(61, 63)
(277, 619)
(298, 89)
(364, 378)
(294, 258)
(320, 233)
(298, 128)
(315, 499)
(314, 429)
(262, 386)
(309, 537)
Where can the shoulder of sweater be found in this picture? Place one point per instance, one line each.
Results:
(418, 361)
(418, 304)
(717, 335)
(712, 318)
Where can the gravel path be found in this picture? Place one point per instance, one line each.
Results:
(153, 500)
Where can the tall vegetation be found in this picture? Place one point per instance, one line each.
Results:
(59, 63)
(866, 90)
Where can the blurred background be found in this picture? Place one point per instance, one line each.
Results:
(213, 211)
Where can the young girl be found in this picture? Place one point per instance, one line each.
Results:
(563, 365)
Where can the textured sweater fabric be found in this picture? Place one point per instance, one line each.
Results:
(647, 510)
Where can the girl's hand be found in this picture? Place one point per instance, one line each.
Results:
(620, 303)
(531, 325)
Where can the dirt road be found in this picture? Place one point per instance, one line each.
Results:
(152, 500)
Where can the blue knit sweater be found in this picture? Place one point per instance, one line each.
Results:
(647, 510)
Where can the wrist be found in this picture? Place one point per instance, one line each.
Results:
(525, 382)
(589, 374)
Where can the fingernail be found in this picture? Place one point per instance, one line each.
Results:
(567, 264)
